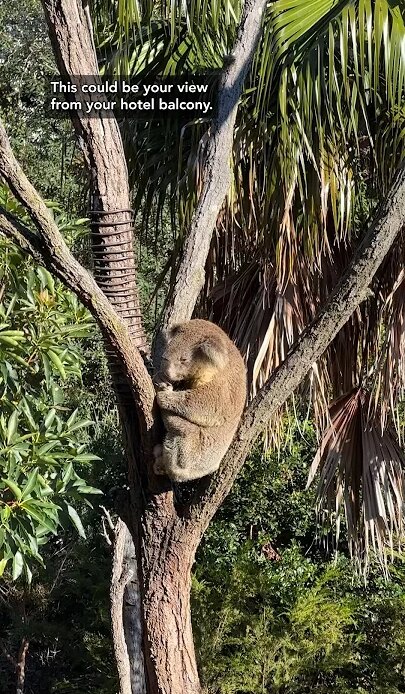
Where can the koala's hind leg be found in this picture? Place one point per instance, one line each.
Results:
(168, 457)
(179, 459)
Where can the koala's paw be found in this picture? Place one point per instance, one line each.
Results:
(163, 387)
(164, 398)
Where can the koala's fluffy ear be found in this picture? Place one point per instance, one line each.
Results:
(172, 331)
(214, 351)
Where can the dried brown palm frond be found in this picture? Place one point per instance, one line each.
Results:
(361, 475)
(389, 371)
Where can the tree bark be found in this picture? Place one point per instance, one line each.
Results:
(131, 622)
(121, 575)
(168, 554)
(71, 37)
(172, 664)
(20, 667)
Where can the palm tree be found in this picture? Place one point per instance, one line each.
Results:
(317, 141)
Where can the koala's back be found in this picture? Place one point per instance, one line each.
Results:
(229, 382)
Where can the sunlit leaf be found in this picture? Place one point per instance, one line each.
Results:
(75, 518)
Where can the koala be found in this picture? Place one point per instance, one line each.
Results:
(201, 394)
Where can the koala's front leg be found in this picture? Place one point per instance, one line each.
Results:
(188, 404)
(170, 400)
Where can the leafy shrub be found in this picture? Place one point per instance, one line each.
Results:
(42, 451)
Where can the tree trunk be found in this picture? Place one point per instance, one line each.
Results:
(121, 575)
(168, 555)
(111, 222)
(172, 667)
(20, 667)
(131, 619)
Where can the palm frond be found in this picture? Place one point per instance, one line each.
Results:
(361, 474)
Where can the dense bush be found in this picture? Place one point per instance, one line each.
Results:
(273, 612)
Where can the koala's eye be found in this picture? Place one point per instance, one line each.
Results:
(184, 360)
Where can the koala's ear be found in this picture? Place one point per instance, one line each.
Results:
(166, 335)
(214, 351)
(172, 331)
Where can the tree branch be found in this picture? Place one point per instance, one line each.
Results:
(121, 575)
(348, 294)
(71, 36)
(217, 170)
(49, 248)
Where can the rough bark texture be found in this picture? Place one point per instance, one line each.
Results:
(20, 668)
(168, 558)
(132, 618)
(101, 143)
(121, 575)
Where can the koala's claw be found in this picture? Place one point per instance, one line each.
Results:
(158, 466)
(158, 450)
(161, 387)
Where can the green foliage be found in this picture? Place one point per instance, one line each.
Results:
(41, 440)
(260, 644)
(272, 613)
(26, 63)
(251, 512)
(64, 614)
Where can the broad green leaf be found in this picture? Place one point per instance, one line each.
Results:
(55, 359)
(13, 487)
(3, 564)
(86, 458)
(46, 447)
(12, 426)
(18, 564)
(71, 419)
(68, 474)
(76, 521)
(40, 517)
(81, 425)
(31, 484)
(49, 418)
(28, 573)
(88, 490)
